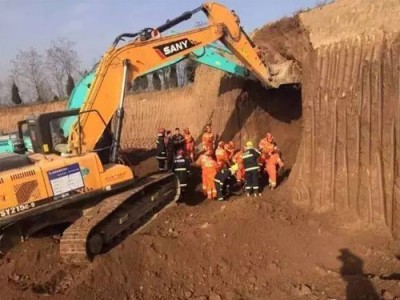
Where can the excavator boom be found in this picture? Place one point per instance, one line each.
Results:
(122, 64)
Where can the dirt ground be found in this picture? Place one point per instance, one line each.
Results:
(244, 248)
(338, 135)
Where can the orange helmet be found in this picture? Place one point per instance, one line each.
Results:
(221, 144)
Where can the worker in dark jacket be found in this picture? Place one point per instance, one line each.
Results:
(251, 158)
(161, 149)
(181, 168)
(170, 150)
(222, 179)
(178, 140)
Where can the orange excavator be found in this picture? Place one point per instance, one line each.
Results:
(82, 181)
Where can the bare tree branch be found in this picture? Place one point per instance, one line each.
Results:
(30, 73)
(62, 61)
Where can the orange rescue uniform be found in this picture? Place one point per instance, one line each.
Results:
(208, 141)
(237, 158)
(230, 149)
(189, 145)
(272, 163)
(222, 156)
(266, 146)
(209, 169)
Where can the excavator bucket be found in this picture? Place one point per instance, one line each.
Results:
(288, 72)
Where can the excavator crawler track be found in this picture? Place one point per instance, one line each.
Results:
(129, 210)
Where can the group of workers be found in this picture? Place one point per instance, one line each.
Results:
(222, 165)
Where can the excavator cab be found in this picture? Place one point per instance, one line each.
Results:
(46, 133)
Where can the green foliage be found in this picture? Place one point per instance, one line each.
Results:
(173, 77)
(156, 80)
(190, 70)
(15, 97)
(70, 85)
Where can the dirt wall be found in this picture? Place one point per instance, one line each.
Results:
(349, 157)
(238, 110)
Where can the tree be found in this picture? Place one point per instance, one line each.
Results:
(190, 70)
(70, 85)
(143, 82)
(135, 84)
(62, 62)
(2, 93)
(173, 77)
(30, 73)
(156, 80)
(164, 73)
(15, 97)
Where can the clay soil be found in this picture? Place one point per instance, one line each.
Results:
(244, 248)
(276, 246)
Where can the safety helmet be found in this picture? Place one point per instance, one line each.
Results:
(221, 144)
(269, 137)
(161, 130)
(234, 168)
(249, 144)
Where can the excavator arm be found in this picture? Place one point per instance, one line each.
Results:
(122, 64)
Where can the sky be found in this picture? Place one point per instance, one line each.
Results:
(93, 24)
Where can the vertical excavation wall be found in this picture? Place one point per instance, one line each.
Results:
(349, 157)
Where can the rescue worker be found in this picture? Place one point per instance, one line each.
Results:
(273, 163)
(181, 169)
(178, 141)
(208, 139)
(237, 159)
(161, 148)
(199, 163)
(209, 168)
(251, 159)
(189, 143)
(170, 149)
(221, 155)
(267, 143)
(222, 181)
(230, 149)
